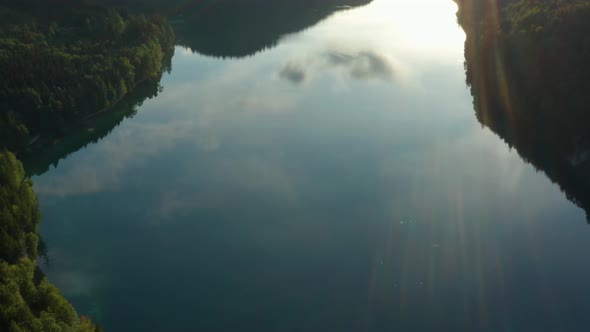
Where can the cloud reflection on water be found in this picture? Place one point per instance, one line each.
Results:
(362, 65)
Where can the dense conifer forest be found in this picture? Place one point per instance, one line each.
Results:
(61, 62)
(64, 61)
(527, 66)
(28, 302)
(59, 67)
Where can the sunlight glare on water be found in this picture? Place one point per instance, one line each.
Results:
(331, 179)
(416, 26)
(410, 36)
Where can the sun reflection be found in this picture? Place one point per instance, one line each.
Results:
(427, 21)
(416, 26)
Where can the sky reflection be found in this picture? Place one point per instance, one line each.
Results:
(337, 182)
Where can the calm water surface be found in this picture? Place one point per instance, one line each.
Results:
(336, 182)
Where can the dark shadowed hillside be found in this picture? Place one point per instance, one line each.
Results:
(39, 160)
(60, 66)
(237, 28)
(527, 66)
(244, 27)
(61, 62)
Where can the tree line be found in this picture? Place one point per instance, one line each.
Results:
(28, 302)
(61, 61)
(58, 68)
(528, 70)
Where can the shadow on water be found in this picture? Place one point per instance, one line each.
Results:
(530, 87)
(242, 28)
(39, 161)
(237, 28)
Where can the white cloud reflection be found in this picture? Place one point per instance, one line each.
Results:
(363, 65)
(103, 169)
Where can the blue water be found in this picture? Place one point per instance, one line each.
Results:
(336, 182)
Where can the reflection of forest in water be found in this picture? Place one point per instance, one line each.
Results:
(529, 81)
(250, 167)
(242, 28)
(533, 99)
(89, 131)
(222, 29)
(237, 28)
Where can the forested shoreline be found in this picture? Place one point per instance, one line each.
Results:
(40, 158)
(61, 61)
(62, 67)
(527, 66)
(65, 60)
(28, 301)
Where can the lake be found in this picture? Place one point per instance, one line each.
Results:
(333, 179)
